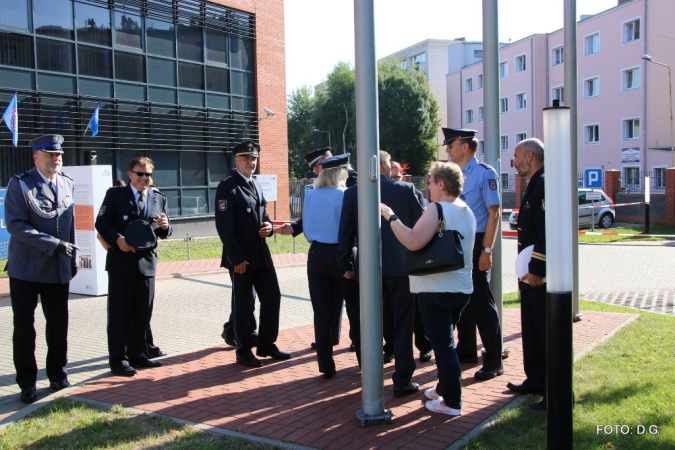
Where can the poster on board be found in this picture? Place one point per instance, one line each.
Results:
(269, 186)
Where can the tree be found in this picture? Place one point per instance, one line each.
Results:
(300, 135)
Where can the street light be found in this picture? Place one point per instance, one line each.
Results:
(670, 87)
(316, 130)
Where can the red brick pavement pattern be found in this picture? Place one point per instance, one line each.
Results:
(290, 401)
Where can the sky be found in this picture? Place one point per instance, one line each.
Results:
(320, 33)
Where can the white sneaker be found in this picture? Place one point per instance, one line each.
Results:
(431, 393)
(438, 406)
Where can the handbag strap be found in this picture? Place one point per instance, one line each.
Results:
(441, 222)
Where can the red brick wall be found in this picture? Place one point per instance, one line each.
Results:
(521, 186)
(670, 196)
(271, 89)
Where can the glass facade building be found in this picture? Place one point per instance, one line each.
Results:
(176, 78)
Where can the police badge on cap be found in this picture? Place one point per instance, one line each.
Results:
(49, 143)
(452, 134)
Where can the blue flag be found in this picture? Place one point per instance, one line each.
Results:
(93, 123)
(11, 118)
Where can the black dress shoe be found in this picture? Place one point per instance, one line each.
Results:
(229, 339)
(538, 406)
(157, 354)
(388, 357)
(58, 385)
(329, 375)
(144, 362)
(352, 348)
(313, 345)
(125, 371)
(411, 388)
(425, 357)
(247, 359)
(273, 353)
(28, 395)
(487, 374)
(522, 388)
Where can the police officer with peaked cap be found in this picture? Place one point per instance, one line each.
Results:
(39, 213)
(130, 220)
(481, 194)
(243, 225)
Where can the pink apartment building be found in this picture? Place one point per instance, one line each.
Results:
(623, 101)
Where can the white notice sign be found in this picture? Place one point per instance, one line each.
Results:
(593, 196)
(269, 186)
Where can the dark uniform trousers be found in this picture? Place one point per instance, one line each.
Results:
(397, 298)
(533, 323)
(54, 300)
(325, 280)
(481, 312)
(421, 341)
(228, 327)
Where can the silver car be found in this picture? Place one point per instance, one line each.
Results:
(603, 216)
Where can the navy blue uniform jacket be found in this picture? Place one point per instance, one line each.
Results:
(532, 225)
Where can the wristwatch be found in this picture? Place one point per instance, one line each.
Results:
(392, 218)
(487, 250)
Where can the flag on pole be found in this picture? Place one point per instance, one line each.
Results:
(11, 118)
(93, 123)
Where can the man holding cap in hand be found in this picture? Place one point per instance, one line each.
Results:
(39, 212)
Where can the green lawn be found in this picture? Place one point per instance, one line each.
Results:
(627, 381)
(634, 229)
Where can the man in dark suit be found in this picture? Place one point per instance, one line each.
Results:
(395, 281)
(529, 162)
(39, 213)
(131, 270)
(243, 225)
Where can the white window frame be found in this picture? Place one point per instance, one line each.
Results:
(503, 73)
(478, 50)
(586, 40)
(521, 136)
(522, 57)
(624, 128)
(585, 87)
(481, 113)
(504, 101)
(420, 58)
(479, 81)
(405, 63)
(503, 187)
(561, 87)
(559, 49)
(468, 115)
(481, 147)
(638, 185)
(586, 129)
(636, 80)
(504, 138)
(468, 85)
(654, 178)
(523, 95)
(624, 30)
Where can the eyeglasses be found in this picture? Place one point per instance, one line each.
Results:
(140, 174)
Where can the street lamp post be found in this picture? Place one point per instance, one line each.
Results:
(670, 97)
(316, 130)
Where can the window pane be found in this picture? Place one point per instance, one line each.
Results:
(243, 83)
(95, 61)
(17, 79)
(217, 80)
(216, 47)
(55, 56)
(133, 128)
(190, 76)
(172, 200)
(93, 24)
(161, 37)
(165, 128)
(218, 101)
(242, 104)
(53, 18)
(96, 88)
(193, 168)
(130, 91)
(193, 133)
(16, 50)
(241, 53)
(123, 157)
(128, 29)
(14, 13)
(162, 95)
(129, 66)
(218, 168)
(195, 201)
(190, 43)
(166, 169)
(161, 71)
(56, 83)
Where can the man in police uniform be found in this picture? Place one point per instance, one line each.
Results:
(131, 269)
(481, 193)
(243, 225)
(39, 213)
(529, 162)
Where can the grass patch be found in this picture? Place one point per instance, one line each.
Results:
(627, 381)
(68, 424)
(636, 229)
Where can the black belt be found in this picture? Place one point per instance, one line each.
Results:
(322, 244)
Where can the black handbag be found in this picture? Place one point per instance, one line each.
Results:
(443, 253)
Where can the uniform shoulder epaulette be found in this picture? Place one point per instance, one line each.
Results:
(21, 175)
(154, 189)
(485, 165)
(66, 175)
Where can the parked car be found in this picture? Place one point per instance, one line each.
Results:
(603, 217)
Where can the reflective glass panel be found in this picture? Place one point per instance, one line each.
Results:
(195, 201)
(217, 80)
(17, 79)
(166, 169)
(165, 128)
(161, 37)
(96, 88)
(193, 168)
(191, 98)
(190, 76)
(243, 83)
(130, 91)
(193, 129)
(53, 18)
(172, 200)
(161, 71)
(56, 83)
(190, 43)
(216, 47)
(218, 168)
(55, 56)
(218, 101)
(162, 95)
(95, 61)
(14, 13)
(241, 53)
(93, 24)
(16, 50)
(129, 66)
(128, 29)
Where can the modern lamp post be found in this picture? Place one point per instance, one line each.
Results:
(316, 130)
(670, 97)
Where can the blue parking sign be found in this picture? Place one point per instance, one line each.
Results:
(593, 178)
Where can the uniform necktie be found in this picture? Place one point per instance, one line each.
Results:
(255, 191)
(51, 187)
(141, 205)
